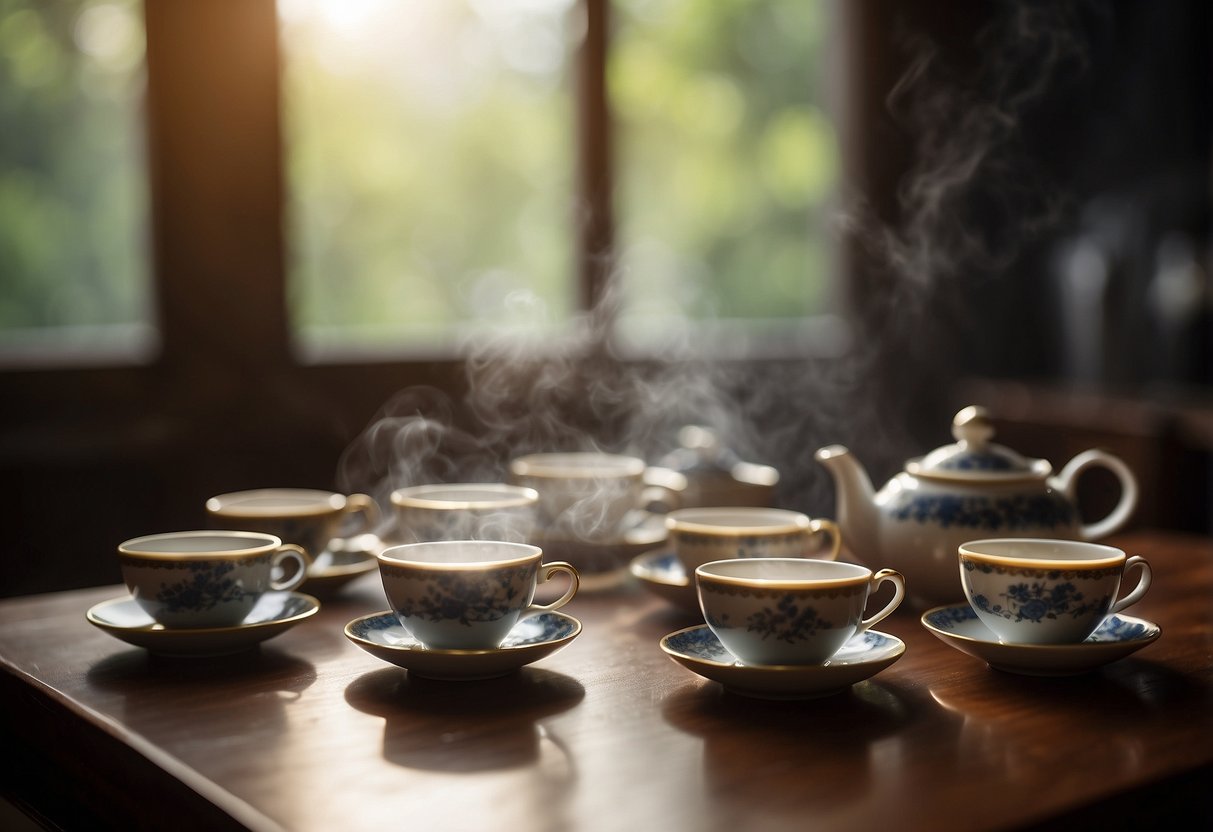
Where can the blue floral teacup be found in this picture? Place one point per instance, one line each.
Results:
(303, 516)
(789, 611)
(700, 535)
(205, 579)
(465, 511)
(467, 594)
(1043, 591)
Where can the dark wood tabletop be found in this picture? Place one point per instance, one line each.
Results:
(308, 732)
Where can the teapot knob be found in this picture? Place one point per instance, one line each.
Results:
(972, 426)
(701, 439)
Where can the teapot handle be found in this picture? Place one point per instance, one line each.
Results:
(1067, 482)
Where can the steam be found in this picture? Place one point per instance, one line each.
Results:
(972, 198)
(968, 206)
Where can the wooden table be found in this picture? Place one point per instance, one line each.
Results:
(310, 733)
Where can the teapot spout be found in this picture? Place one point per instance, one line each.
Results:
(856, 502)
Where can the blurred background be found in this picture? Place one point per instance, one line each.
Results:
(361, 244)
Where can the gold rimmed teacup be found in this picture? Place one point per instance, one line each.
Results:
(465, 511)
(209, 578)
(700, 535)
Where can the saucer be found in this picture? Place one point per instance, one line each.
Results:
(957, 626)
(343, 561)
(275, 613)
(602, 563)
(661, 573)
(381, 635)
(865, 655)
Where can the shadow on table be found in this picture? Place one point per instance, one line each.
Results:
(243, 695)
(469, 726)
(795, 736)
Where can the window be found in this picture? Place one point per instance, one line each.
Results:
(301, 210)
(431, 153)
(74, 264)
(728, 161)
(433, 157)
(430, 169)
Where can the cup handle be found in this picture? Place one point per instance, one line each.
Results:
(366, 506)
(546, 571)
(899, 584)
(663, 489)
(291, 552)
(1143, 583)
(1067, 481)
(830, 528)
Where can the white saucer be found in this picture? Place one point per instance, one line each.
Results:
(865, 655)
(342, 562)
(957, 626)
(603, 563)
(661, 573)
(381, 635)
(275, 613)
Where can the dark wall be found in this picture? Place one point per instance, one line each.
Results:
(1032, 207)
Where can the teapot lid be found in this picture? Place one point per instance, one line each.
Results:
(699, 450)
(701, 454)
(974, 457)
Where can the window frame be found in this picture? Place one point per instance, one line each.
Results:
(135, 444)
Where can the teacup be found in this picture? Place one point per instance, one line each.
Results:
(202, 579)
(467, 594)
(789, 611)
(306, 517)
(465, 511)
(589, 496)
(700, 535)
(1043, 591)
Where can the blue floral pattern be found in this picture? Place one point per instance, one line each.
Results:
(781, 620)
(976, 462)
(702, 643)
(949, 617)
(205, 587)
(466, 598)
(1020, 511)
(540, 629)
(1113, 630)
(747, 545)
(1056, 596)
(205, 584)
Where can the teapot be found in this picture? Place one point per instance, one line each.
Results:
(968, 490)
(715, 475)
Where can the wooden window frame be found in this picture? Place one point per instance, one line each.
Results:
(225, 402)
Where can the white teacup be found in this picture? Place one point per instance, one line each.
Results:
(467, 594)
(306, 517)
(588, 496)
(1043, 591)
(202, 579)
(789, 611)
(700, 535)
(465, 511)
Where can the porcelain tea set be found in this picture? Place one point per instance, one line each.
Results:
(986, 538)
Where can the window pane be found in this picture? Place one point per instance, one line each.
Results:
(429, 168)
(74, 265)
(727, 161)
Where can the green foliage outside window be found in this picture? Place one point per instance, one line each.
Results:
(430, 153)
(73, 198)
(430, 150)
(727, 157)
